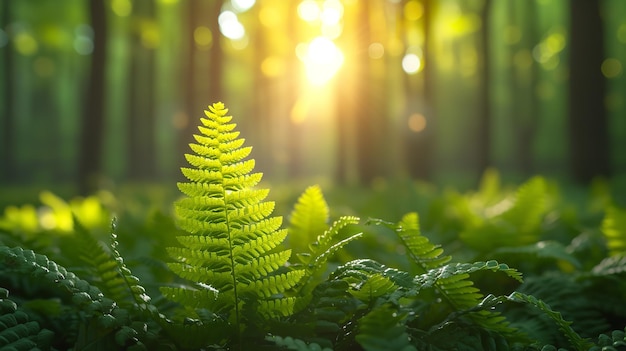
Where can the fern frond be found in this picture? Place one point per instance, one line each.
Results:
(17, 331)
(229, 251)
(514, 221)
(104, 266)
(105, 314)
(308, 219)
(611, 265)
(384, 329)
(575, 339)
(450, 280)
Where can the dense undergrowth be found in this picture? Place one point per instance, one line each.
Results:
(493, 269)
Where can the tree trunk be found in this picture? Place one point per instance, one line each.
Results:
(484, 107)
(588, 123)
(367, 133)
(201, 89)
(420, 146)
(141, 119)
(9, 165)
(91, 142)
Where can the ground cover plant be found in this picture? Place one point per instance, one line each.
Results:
(487, 270)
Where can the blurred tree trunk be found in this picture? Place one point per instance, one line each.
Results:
(141, 119)
(588, 122)
(368, 138)
(295, 131)
(200, 89)
(421, 146)
(523, 70)
(216, 57)
(484, 92)
(8, 113)
(91, 136)
(260, 123)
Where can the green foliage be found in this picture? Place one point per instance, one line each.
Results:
(229, 251)
(231, 284)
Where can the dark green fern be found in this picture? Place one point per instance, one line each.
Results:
(229, 253)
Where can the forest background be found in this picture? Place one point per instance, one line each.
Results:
(94, 94)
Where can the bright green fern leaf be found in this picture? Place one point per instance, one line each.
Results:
(308, 219)
(230, 250)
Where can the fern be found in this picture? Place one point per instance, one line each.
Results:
(308, 219)
(308, 225)
(384, 329)
(105, 316)
(228, 252)
(511, 222)
(451, 281)
(17, 331)
(579, 343)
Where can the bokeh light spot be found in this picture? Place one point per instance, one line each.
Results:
(309, 10)
(203, 37)
(331, 14)
(416, 122)
(230, 26)
(322, 60)
(611, 68)
(242, 5)
(411, 63)
(122, 8)
(376, 50)
(25, 44)
(272, 66)
(413, 10)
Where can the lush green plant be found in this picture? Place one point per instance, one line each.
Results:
(224, 274)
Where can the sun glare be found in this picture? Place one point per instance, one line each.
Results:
(322, 59)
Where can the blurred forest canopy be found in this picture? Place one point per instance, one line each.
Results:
(99, 92)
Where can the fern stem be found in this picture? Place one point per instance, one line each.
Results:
(232, 270)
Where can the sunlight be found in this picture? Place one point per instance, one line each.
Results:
(411, 63)
(308, 10)
(242, 5)
(230, 26)
(322, 59)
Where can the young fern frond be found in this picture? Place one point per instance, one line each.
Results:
(308, 225)
(103, 266)
(308, 219)
(229, 252)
